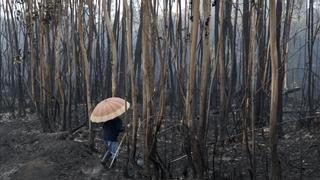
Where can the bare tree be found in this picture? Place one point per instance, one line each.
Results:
(114, 48)
(275, 163)
(310, 43)
(222, 73)
(285, 40)
(252, 83)
(132, 78)
(203, 85)
(147, 85)
(30, 22)
(86, 69)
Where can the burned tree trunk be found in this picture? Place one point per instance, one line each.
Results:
(285, 40)
(86, 70)
(251, 84)
(1, 88)
(310, 43)
(132, 79)
(44, 92)
(261, 38)
(114, 49)
(222, 74)
(59, 89)
(275, 163)
(30, 23)
(147, 87)
(280, 64)
(203, 84)
(194, 149)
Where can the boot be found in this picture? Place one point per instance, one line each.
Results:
(105, 158)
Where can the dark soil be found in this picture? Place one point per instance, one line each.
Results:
(26, 153)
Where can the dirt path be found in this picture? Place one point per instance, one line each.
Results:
(26, 153)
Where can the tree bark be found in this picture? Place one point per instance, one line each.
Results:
(32, 51)
(147, 86)
(275, 163)
(86, 70)
(113, 42)
(252, 82)
(222, 74)
(203, 85)
(132, 79)
(285, 39)
(310, 43)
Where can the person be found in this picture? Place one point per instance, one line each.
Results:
(111, 131)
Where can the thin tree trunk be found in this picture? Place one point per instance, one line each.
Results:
(193, 51)
(1, 98)
(70, 58)
(58, 76)
(132, 79)
(204, 78)
(280, 63)
(114, 49)
(189, 121)
(310, 57)
(222, 74)
(16, 56)
(275, 163)
(261, 65)
(205, 68)
(45, 122)
(285, 39)
(251, 75)
(86, 70)
(232, 85)
(147, 85)
(32, 52)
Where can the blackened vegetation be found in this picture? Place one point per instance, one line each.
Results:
(228, 93)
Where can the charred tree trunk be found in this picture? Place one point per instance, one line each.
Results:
(113, 43)
(132, 79)
(280, 63)
(30, 22)
(86, 70)
(189, 122)
(1, 78)
(147, 87)
(203, 85)
(261, 38)
(222, 74)
(285, 40)
(310, 43)
(44, 92)
(275, 162)
(252, 82)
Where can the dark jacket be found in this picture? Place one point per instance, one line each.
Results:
(112, 128)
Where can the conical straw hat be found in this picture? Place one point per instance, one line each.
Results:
(109, 109)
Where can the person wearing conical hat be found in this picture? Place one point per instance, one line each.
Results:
(111, 131)
(107, 112)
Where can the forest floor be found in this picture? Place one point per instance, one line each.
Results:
(298, 151)
(27, 153)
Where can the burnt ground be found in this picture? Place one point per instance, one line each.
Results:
(298, 150)
(27, 153)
